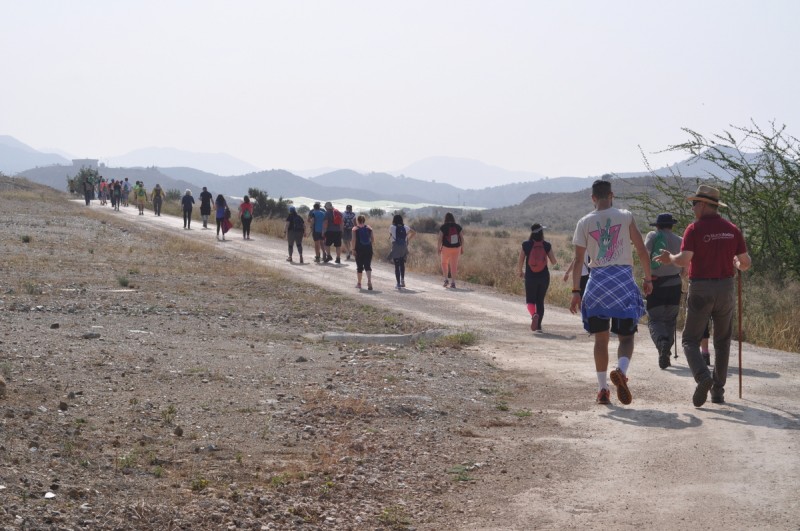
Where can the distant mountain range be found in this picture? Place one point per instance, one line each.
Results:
(217, 163)
(53, 170)
(16, 156)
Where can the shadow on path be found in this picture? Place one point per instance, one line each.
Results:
(652, 418)
(747, 415)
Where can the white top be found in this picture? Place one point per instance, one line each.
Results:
(393, 232)
(606, 236)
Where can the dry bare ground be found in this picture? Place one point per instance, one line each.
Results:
(159, 379)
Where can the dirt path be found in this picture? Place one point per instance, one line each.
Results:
(658, 463)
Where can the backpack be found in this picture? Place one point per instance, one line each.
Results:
(537, 257)
(246, 214)
(297, 224)
(400, 234)
(452, 236)
(363, 234)
(337, 217)
(349, 218)
(659, 244)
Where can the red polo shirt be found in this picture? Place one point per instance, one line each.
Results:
(714, 242)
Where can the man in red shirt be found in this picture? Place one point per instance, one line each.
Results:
(712, 248)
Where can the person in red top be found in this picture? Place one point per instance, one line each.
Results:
(713, 248)
(246, 216)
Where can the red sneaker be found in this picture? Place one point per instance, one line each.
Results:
(604, 397)
(621, 381)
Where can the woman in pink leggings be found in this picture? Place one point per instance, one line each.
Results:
(451, 247)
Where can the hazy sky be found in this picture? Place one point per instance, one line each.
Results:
(556, 87)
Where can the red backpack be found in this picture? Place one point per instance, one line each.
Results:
(537, 257)
(337, 217)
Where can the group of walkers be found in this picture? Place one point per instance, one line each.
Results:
(330, 228)
(605, 292)
(222, 213)
(610, 302)
(119, 191)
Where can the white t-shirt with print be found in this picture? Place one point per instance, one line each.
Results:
(606, 236)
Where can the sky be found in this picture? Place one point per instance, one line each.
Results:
(554, 87)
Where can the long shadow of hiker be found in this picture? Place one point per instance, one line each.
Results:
(652, 418)
(747, 415)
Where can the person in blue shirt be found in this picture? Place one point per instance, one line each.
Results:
(316, 217)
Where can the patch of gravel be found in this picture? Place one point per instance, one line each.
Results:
(155, 383)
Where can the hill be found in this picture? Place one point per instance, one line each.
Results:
(217, 163)
(16, 156)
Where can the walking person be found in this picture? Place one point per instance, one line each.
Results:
(246, 216)
(363, 238)
(187, 201)
(205, 206)
(400, 235)
(88, 189)
(141, 197)
(665, 299)
(451, 247)
(103, 191)
(713, 249)
(348, 222)
(332, 229)
(157, 197)
(316, 218)
(609, 235)
(220, 206)
(126, 190)
(584, 272)
(295, 231)
(532, 266)
(116, 194)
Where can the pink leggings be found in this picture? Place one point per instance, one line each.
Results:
(450, 257)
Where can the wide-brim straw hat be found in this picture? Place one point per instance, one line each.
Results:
(707, 194)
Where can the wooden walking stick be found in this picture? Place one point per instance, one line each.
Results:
(739, 291)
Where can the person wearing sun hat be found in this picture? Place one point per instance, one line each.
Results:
(713, 249)
(664, 301)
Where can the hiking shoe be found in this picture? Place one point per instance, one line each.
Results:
(399, 286)
(717, 399)
(707, 358)
(358, 286)
(604, 397)
(453, 285)
(326, 259)
(534, 322)
(701, 392)
(338, 261)
(316, 259)
(289, 259)
(301, 259)
(446, 283)
(663, 355)
(619, 379)
(369, 286)
(403, 283)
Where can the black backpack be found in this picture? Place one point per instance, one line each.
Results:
(297, 223)
(400, 234)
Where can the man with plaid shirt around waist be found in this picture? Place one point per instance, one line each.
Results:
(608, 235)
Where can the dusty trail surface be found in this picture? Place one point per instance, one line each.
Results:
(658, 463)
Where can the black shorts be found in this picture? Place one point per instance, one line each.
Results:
(333, 238)
(621, 327)
(317, 236)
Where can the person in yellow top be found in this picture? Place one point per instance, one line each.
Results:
(141, 196)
